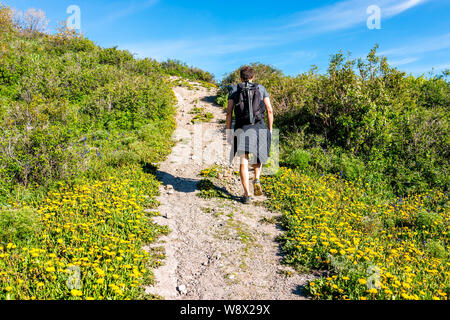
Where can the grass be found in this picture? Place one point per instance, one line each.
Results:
(205, 117)
(79, 172)
(200, 115)
(182, 83)
(372, 248)
(207, 210)
(272, 220)
(19, 224)
(208, 190)
(97, 228)
(211, 172)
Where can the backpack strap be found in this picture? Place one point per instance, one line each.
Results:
(259, 112)
(240, 95)
(250, 97)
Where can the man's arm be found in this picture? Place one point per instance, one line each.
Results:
(229, 120)
(269, 112)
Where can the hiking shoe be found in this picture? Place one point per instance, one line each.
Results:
(246, 200)
(257, 188)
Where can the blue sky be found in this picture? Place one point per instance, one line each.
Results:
(220, 36)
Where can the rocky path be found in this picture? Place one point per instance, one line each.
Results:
(218, 248)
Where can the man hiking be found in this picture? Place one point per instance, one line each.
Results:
(249, 101)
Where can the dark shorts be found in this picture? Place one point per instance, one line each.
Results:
(252, 139)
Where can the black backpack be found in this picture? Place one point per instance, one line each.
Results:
(248, 95)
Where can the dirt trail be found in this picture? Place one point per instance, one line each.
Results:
(218, 248)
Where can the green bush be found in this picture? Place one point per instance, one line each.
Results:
(79, 126)
(122, 158)
(115, 57)
(18, 225)
(130, 103)
(38, 155)
(435, 249)
(430, 220)
(299, 159)
(67, 40)
(348, 166)
(69, 107)
(178, 68)
(372, 120)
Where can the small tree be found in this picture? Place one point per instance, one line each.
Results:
(33, 21)
(6, 18)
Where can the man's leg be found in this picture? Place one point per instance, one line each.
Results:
(256, 183)
(244, 174)
(257, 167)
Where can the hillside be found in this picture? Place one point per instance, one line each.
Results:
(80, 128)
(95, 204)
(363, 187)
(364, 120)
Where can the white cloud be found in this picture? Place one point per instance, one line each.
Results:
(405, 5)
(346, 14)
(402, 62)
(293, 57)
(429, 68)
(342, 15)
(131, 8)
(419, 46)
(223, 45)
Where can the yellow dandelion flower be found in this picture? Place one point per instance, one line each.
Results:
(76, 293)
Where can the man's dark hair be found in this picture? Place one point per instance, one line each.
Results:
(247, 73)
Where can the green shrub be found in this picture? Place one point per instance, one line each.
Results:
(146, 67)
(211, 172)
(435, 249)
(67, 106)
(130, 103)
(38, 155)
(348, 166)
(178, 68)
(67, 40)
(19, 225)
(430, 220)
(115, 57)
(208, 190)
(79, 126)
(374, 121)
(299, 159)
(122, 158)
